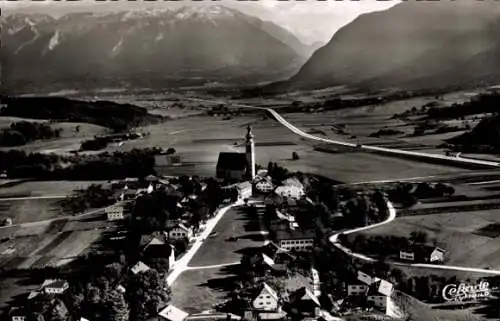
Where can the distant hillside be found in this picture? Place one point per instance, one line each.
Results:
(413, 45)
(118, 117)
(186, 45)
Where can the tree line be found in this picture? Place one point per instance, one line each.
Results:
(21, 133)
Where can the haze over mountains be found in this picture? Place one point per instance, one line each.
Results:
(413, 45)
(209, 43)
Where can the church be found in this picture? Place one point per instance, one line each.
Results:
(238, 166)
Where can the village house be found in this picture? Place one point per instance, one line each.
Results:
(172, 313)
(278, 254)
(379, 295)
(139, 267)
(289, 191)
(114, 212)
(357, 289)
(304, 301)
(244, 190)
(18, 314)
(273, 267)
(266, 300)
(54, 286)
(158, 248)
(180, 231)
(264, 185)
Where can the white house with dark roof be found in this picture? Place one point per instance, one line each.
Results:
(180, 231)
(266, 300)
(357, 289)
(114, 212)
(139, 267)
(55, 286)
(244, 190)
(172, 313)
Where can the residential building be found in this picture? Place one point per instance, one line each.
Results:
(293, 181)
(172, 313)
(180, 231)
(271, 316)
(289, 191)
(278, 254)
(54, 286)
(264, 185)
(244, 190)
(273, 267)
(379, 295)
(266, 300)
(213, 316)
(407, 255)
(357, 289)
(295, 282)
(304, 301)
(296, 239)
(365, 278)
(114, 212)
(139, 267)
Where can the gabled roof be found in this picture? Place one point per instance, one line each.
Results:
(181, 226)
(173, 314)
(54, 283)
(139, 267)
(304, 294)
(232, 161)
(243, 185)
(267, 289)
(381, 287)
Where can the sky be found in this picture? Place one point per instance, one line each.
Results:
(309, 20)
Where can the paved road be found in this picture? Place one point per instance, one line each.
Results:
(368, 148)
(390, 218)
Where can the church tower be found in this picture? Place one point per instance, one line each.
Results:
(250, 153)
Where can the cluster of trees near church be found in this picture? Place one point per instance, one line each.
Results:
(20, 133)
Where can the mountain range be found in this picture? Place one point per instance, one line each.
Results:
(413, 45)
(180, 44)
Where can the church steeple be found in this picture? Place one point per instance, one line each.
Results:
(250, 153)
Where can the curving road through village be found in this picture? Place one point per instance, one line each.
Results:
(390, 218)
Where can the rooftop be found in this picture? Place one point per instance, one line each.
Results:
(54, 283)
(173, 314)
(297, 234)
(139, 267)
(232, 161)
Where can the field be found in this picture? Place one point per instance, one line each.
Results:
(217, 250)
(70, 138)
(192, 292)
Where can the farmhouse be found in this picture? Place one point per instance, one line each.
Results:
(114, 212)
(266, 300)
(180, 231)
(54, 286)
(172, 313)
(276, 269)
(277, 254)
